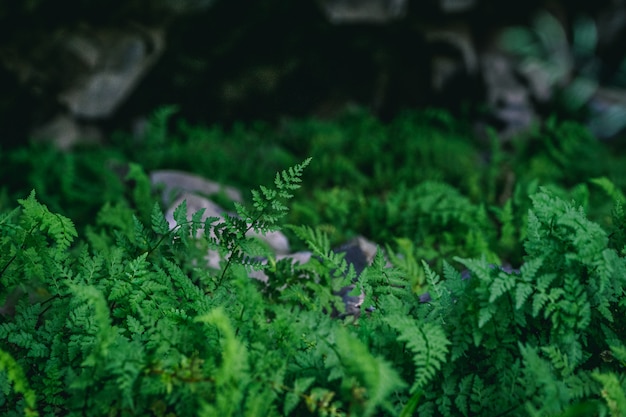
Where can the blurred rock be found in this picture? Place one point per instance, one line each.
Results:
(277, 241)
(508, 99)
(453, 55)
(359, 251)
(173, 183)
(363, 11)
(65, 132)
(184, 6)
(352, 303)
(110, 63)
(456, 6)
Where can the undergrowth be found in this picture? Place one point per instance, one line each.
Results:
(418, 178)
(498, 289)
(125, 318)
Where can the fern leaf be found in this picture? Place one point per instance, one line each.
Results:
(159, 224)
(502, 283)
(315, 239)
(486, 313)
(429, 345)
(180, 213)
(522, 292)
(60, 228)
(613, 392)
(372, 373)
(232, 375)
(609, 188)
(16, 375)
(433, 280)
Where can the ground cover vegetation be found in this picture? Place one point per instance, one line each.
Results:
(106, 310)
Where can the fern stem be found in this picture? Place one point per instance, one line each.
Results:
(237, 246)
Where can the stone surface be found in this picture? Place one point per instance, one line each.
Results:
(453, 55)
(277, 241)
(508, 99)
(359, 251)
(456, 6)
(65, 132)
(363, 11)
(172, 183)
(111, 62)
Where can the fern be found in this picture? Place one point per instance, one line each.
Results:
(367, 380)
(132, 320)
(429, 345)
(16, 375)
(613, 392)
(60, 228)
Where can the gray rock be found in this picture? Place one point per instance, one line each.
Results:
(173, 183)
(359, 251)
(277, 241)
(508, 99)
(65, 132)
(111, 62)
(363, 11)
(184, 6)
(454, 54)
(456, 6)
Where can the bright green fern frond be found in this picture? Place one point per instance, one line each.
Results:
(60, 228)
(159, 224)
(429, 345)
(269, 204)
(315, 239)
(15, 374)
(613, 392)
(369, 380)
(231, 378)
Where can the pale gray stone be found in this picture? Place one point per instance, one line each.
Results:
(112, 62)
(363, 11)
(175, 182)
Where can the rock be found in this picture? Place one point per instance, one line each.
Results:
(65, 132)
(608, 110)
(508, 99)
(456, 6)
(453, 55)
(111, 62)
(174, 183)
(351, 303)
(277, 241)
(359, 251)
(363, 11)
(184, 6)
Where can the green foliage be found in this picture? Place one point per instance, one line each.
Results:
(140, 326)
(121, 314)
(15, 374)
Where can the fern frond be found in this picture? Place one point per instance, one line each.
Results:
(15, 374)
(364, 372)
(429, 345)
(231, 378)
(613, 391)
(60, 228)
(159, 224)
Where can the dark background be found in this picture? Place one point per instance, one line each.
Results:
(242, 60)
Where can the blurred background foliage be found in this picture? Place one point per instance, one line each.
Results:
(244, 89)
